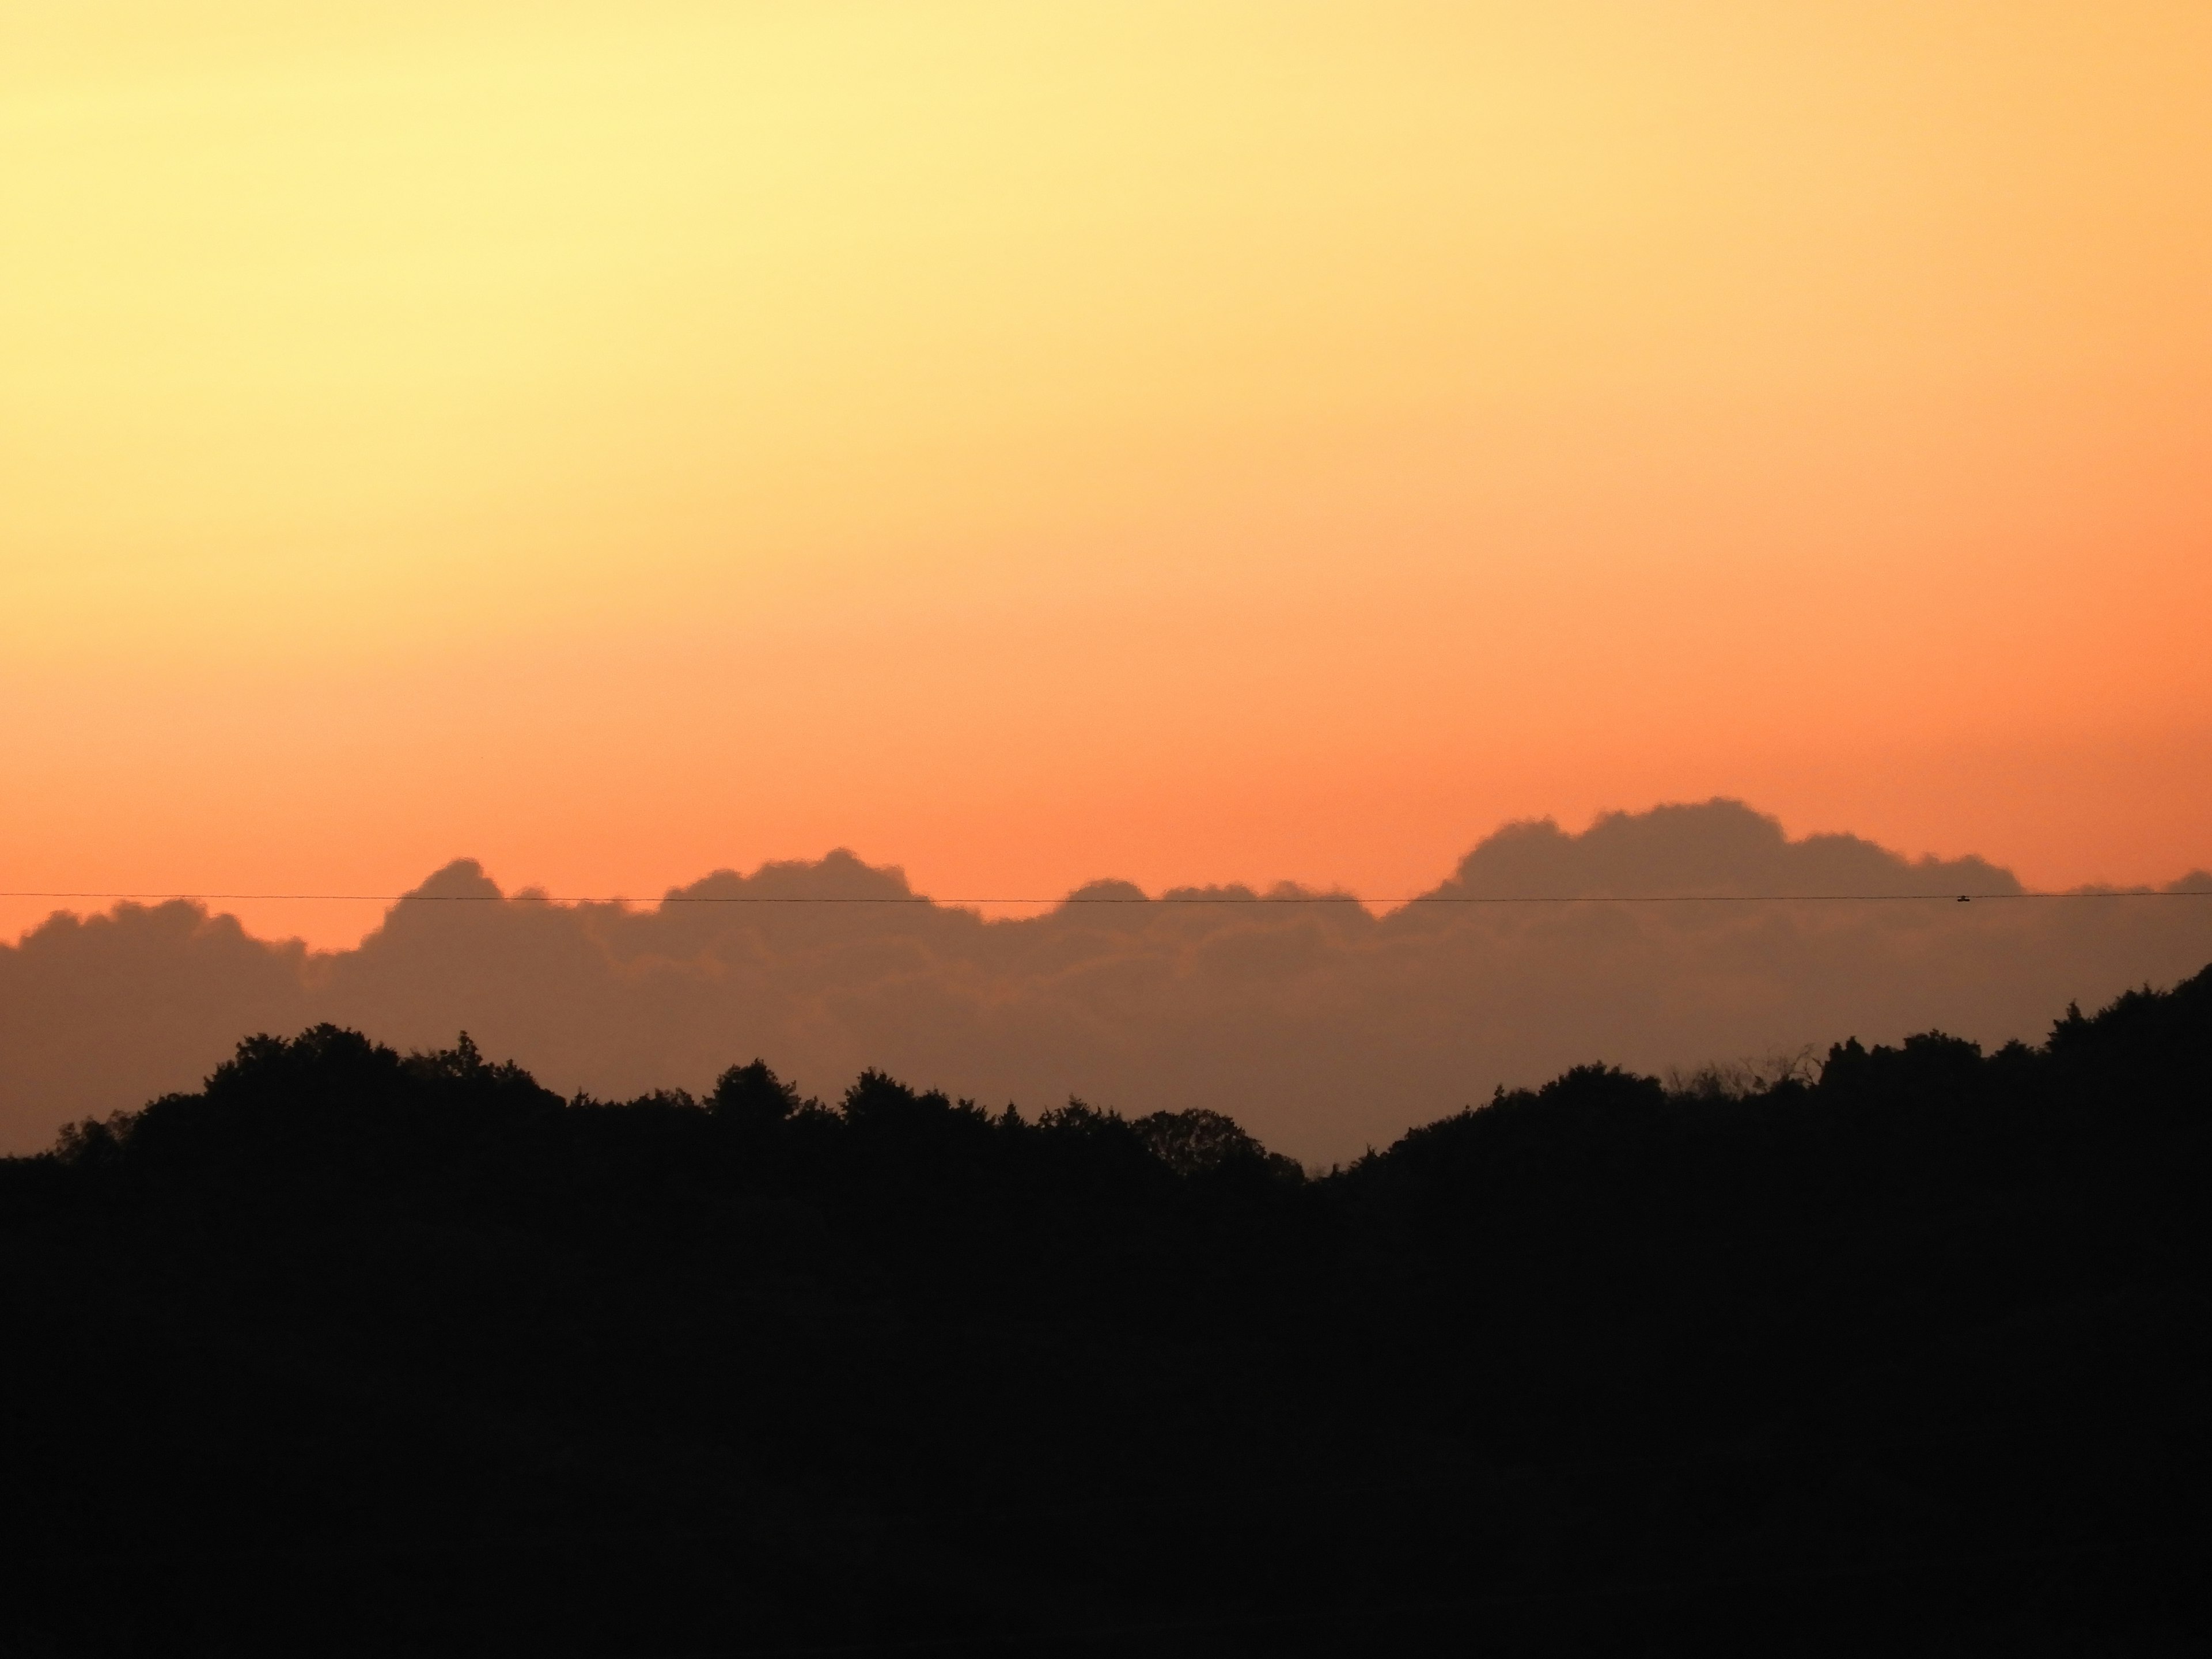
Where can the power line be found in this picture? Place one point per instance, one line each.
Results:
(1181, 898)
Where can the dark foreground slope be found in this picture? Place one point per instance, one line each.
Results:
(355, 1353)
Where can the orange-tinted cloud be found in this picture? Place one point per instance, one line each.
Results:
(1321, 1027)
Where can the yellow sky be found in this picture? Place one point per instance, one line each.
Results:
(1031, 442)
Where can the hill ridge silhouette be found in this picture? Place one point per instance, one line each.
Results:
(351, 1350)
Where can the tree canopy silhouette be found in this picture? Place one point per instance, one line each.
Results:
(352, 1351)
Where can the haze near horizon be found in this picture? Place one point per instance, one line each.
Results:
(1319, 1027)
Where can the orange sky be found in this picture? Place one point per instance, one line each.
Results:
(1182, 442)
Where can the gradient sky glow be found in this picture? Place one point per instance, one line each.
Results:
(1179, 441)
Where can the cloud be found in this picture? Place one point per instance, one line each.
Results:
(1720, 847)
(1319, 1026)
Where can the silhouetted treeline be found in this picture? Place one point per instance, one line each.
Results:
(353, 1353)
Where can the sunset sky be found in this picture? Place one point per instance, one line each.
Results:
(1191, 441)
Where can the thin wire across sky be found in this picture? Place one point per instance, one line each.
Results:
(1165, 898)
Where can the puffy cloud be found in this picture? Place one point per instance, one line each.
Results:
(1319, 1026)
(1722, 846)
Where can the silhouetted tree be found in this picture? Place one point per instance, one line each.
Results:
(356, 1352)
(753, 1098)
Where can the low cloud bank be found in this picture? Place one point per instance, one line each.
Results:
(1321, 1028)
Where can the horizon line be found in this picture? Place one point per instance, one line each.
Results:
(1172, 896)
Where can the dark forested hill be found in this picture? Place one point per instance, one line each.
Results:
(355, 1353)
